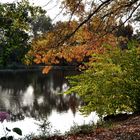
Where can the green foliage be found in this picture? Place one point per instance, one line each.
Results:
(111, 84)
(41, 24)
(16, 27)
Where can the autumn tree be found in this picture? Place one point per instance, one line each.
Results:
(97, 17)
(75, 51)
(108, 10)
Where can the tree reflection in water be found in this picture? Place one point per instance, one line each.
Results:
(32, 94)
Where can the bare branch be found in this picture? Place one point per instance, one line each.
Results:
(75, 8)
(58, 13)
(86, 20)
(47, 3)
(133, 11)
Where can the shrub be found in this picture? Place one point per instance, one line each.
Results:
(111, 84)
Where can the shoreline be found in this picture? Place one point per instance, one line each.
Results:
(128, 129)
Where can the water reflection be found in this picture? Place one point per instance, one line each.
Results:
(32, 95)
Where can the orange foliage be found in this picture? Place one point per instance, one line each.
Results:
(79, 47)
(46, 69)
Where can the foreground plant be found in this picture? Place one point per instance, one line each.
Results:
(111, 83)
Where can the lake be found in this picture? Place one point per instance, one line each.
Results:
(32, 98)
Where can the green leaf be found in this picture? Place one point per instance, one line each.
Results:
(17, 130)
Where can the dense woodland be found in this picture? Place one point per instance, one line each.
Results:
(100, 38)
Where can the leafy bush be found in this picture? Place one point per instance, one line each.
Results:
(111, 84)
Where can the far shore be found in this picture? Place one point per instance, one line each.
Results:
(34, 67)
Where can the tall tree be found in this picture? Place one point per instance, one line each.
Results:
(41, 24)
(15, 30)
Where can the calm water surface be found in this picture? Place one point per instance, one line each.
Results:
(32, 97)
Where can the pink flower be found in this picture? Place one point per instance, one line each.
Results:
(4, 116)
